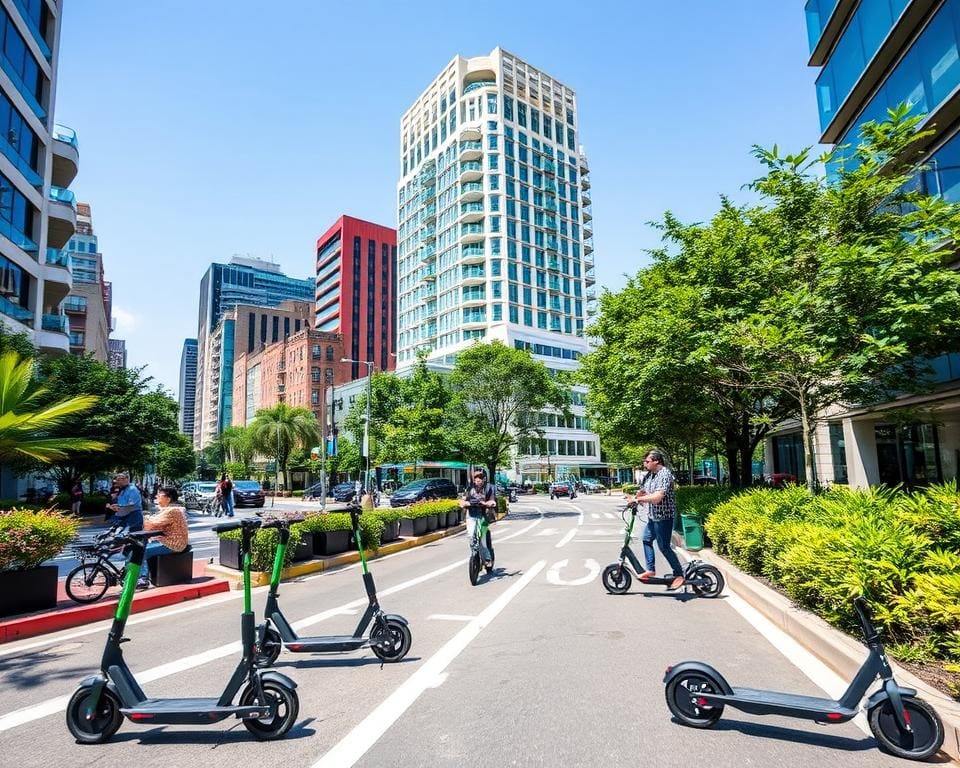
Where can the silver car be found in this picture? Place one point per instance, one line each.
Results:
(197, 494)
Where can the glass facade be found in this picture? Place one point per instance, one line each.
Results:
(21, 67)
(818, 13)
(908, 454)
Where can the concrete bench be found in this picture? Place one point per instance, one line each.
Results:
(175, 568)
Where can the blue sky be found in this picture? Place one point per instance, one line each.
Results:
(221, 128)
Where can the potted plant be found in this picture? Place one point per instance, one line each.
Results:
(328, 533)
(28, 538)
(413, 520)
(391, 525)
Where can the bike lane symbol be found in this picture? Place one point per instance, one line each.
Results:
(554, 577)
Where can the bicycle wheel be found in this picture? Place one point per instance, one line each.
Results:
(923, 739)
(87, 583)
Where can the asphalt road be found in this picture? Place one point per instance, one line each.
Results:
(535, 666)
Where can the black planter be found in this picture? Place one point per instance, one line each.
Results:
(331, 542)
(391, 531)
(230, 553)
(453, 518)
(431, 522)
(31, 590)
(304, 550)
(413, 526)
(441, 519)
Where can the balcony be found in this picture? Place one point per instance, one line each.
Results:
(55, 323)
(57, 277)
(591, 294)
(430, 309)
(470, 132)
(471, 191)
(19, 239)
(589, 277)
(428, 234)
(553, 264)
(554, 283)
(472, 254)
(470, 212)
(66, 155)
(429, 290)
(587, 231)
(585, 182)
(550, 205)
(585, 197)
(471, 150)
(62, 207)
(429, 272)
(584, 165)
(472, 275)
(555, 324)
(552, 244)
(486, 83)
(15, 311)
(474, 317)
(471, 233)
(549, 167)
(471, 171)
(587, 213)
(75, 305)
(550, 222)
(428, 194)
(429, 331)
(591, 308)
(555, 305)
(550, 186)
(587, 245)
(428, 253)
(427, 173)
(430, 213)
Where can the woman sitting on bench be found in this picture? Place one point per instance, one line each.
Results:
(172, 521)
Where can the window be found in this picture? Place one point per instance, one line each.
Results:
(507, 108)
(522, 114)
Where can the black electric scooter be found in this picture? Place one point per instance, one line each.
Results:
(903, 724)
(389, 639)
(268, 704)
(705, 579)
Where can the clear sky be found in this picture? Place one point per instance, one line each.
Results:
(209, 129)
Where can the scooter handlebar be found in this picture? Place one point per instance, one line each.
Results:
(249, 522)
(863, 612)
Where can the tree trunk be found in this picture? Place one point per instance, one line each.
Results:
(733, 462)
(808, 457)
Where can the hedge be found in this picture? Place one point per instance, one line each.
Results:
(371, 526)
(900, 551)
(29, 537)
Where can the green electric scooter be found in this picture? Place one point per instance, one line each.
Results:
(389, 639)
(268, 705)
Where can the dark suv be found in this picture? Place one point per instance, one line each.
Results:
(247, 493)
(423, 490)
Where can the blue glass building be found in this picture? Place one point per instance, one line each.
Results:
(873, 55)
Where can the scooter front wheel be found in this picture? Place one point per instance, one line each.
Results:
(269, 650)
(394, 643)
(712, 580)
(105, 721)
(616, 579)
(922, 741)
(687, 705)
(474, 568)
(283, 700)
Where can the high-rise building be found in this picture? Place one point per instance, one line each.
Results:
(188, 385)
(874, 55)
(89, 303)
(38, 161)
(223, 287)
(495, 235)
(117, 354)
(356, 274)
(242, 329)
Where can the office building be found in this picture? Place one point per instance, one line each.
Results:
(873, 55)
(356, 290)
(90, 301)
(38, 162)
(188, 386)
(495, 233)
(242, 281)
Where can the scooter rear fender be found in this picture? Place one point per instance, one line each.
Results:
(697, 666)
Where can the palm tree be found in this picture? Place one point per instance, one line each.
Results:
(281, 430)
(238, 446)
(23, 425)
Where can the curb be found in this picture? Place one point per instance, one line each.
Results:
(841, 653)
(54, 621)
(262, 578)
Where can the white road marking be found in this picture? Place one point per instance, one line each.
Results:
(450, 617)
(549, 532)
(594, 516)
(566, 539)
(553, 575)
(366, 733)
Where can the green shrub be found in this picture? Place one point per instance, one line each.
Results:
(263, 549)
(93, 504)
(298, 493)
(425, 508)
(15, 504)
(629, 488)
(700, 502)
(28, 537)
(371, 526)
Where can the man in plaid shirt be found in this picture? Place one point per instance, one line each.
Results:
(657, 492)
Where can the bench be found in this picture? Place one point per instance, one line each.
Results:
(175, 568)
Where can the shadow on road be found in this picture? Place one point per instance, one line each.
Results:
(798, 736)
(323, 663)
(236, 734)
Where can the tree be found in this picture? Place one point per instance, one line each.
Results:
(495, 389)
(386, 396)
(418, 429)
(237, 443)
(26, 427)
(347, 459)
(129, 416)
(16, 342)
(175, 458)
(280, 430)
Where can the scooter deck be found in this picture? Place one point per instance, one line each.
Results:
(764, 702)
(188, 711)
(331, 644)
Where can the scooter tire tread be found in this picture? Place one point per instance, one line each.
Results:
(920, 709)
(113, 716)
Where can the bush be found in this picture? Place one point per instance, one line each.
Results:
(298, 494)
(371, 526)
(629, 488)
(425, 508)
(28, 538)
(263, 550)
(501, 505)
(699, 502)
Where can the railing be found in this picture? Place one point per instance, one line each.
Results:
(471, 208)
(554, 284)
(550, 205)
(74, 304)
(474, 316)
(472, 250)
(66, 135)
(553, 264)
(58, 258)
(428, 194)
(470, 165)
(57, 323)
(550, 222)
(428, 252)
(15, 311)
(430, 212)
(549, 167)
(471, 186)
(479, 84)
(467, 272)
(467, 145)
(471, 229)
(61, 195)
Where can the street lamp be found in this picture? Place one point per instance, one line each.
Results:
(366, 426)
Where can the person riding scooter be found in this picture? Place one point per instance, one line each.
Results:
(657, 492)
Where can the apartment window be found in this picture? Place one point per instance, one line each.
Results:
(522, 114)
(507, 108)
(315, 351)
(276, 329)
(534, 121)
(315, 375)
(251, 331)
(286, 327)
(315, 397)
(263, 329)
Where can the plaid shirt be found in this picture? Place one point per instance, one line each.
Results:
(661, 481)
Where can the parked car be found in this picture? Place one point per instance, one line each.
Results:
(563, 488)
(315, 491)
(592, 486)
(509, 492)
(247, 493)
(422, 490)
(197, 494)
(344, 492)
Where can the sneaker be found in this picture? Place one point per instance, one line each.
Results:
(143, 584)
(676, 583)
(488, 563)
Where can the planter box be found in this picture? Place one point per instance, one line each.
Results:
(391, 532)
(413, 526)
(453, 518)
(26, 591)
(230, 554)
(442, 519)
(431, 523)
(331, 542)
(304, 550)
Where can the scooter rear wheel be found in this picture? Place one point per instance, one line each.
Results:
(283, 699)
(269, 651)
(105, 721)
(686, 706)
(395, 645)
(474, 568)
(616, 579)
(923, 740)
(714, 579)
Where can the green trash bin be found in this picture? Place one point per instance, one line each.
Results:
(692, 533)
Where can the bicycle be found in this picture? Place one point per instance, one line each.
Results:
(90, 580)
(480, 530)
(212, 506)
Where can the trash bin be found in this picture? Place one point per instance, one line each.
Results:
(692, 533)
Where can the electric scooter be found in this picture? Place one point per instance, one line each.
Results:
(903, 724)
(705, 580)
(389, 639)
(268, 705)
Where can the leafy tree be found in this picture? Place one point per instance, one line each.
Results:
(495, 388)
(417, 429)
(16, 342)
(175, 458)
(386, 396)
(281, 430)
(347, 459)
(27, 425)
(238, 448)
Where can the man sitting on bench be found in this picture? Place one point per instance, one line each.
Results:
(172, 521)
